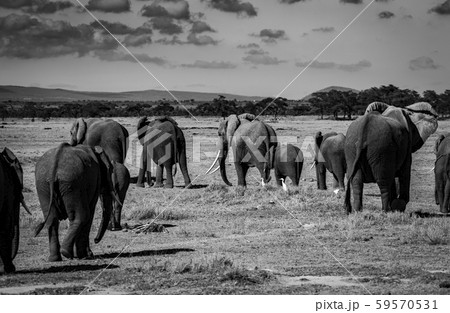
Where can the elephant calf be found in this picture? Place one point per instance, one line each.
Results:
(330, 155)
(442, 173)
(288, 163)
(11, 185)
(69, 181)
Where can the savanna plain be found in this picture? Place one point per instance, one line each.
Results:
(230, 240)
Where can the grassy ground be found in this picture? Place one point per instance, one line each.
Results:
(227, 240)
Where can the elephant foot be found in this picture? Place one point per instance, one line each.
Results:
(55, 258)
(9, 268)
(140, 185)
(167, 186)
(66, 254)
(444, 211)
(158, 185)
(116, 227)
(398, 205)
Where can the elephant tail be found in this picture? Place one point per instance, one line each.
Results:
(125, 143)
(355, 166)
(52, 182)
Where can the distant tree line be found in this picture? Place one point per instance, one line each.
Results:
(334, 103)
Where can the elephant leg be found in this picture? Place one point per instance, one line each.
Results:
(78, 214)
(335, 182)
(144, 171)
(404, 181)
(82, 248)
(6, 247)
(278, 177)
(53, 239)
(387, 188)
(159, 176)
(446, 202)
(169, 176)
(241, 171)
(357, 188)
(184, 169)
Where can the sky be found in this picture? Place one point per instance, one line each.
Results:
(255, 48)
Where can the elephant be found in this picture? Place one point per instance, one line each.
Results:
(113, 138)
(442, 173)
(253, 143)
(11, 186)
(330, 155)
(69, 181)
(163, 142)
(288, 163)
(379, 147)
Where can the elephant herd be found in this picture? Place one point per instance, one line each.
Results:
(71, 177)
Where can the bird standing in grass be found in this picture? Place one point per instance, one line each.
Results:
(283, 184)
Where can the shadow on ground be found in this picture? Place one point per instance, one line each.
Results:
(68, 268)
(141, 253)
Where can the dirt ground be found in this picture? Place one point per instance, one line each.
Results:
(229, 240)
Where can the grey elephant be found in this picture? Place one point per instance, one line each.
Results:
(442, 172)
(113, 138)
(163, 143)
(11, 185)
(253, 143)
(69, 181)
(288, 163)
(379, 147)
(330, 155)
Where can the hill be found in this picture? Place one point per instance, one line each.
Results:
(37, 94)
(327, 89)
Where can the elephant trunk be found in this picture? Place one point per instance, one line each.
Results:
(15, 241)
(223, 152)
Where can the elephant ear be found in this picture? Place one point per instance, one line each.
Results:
(141, 128)
(437, 143)
(377, 107)
(424, 117)
(78, 132)
(247, 116)
(12, 160)
(233, 123)
(166, 119)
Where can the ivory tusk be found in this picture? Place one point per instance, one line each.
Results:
(25, 206)
(116, 198)
(432, 169)
(312, 165)
(212, 165)
(262, 182)
(215, 170)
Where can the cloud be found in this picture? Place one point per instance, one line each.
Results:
(386, 15)
(37, 6)
(48, 7)
(210, 65)
(116, 28)
(248, 46)
(201, 40)
(166, 26)
(422, 63)
(327, 29)
(233, 6)
(201, 27)
(177, 9)
(291, 1)
(261, 57)
(137, 40)
(109, 6)
(441, 9)
(352, 1)
(15, 4)
(332, 65)
(271, 35)
(114, 56)
(26, 37)
(192, 39)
